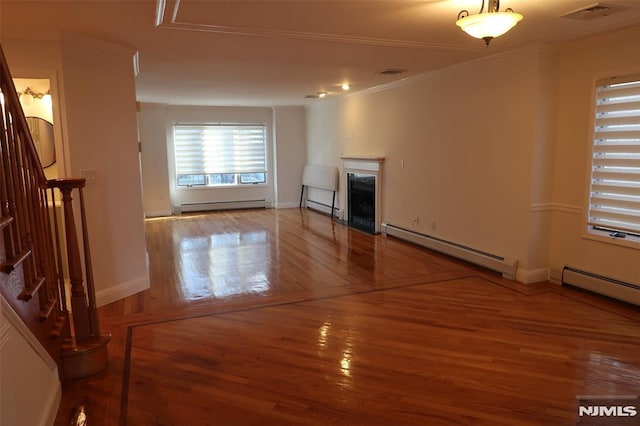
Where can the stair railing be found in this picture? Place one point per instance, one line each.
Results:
(38, 247)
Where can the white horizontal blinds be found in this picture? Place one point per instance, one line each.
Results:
(615, 179)
(219, 148)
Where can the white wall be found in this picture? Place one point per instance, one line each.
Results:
(467, 136)
(581, 63)
(237, 115)
(290, 154)
(542, 167)
(286, 147)
(102, 136)
(94, 84)
(155, 173)
(496, 152)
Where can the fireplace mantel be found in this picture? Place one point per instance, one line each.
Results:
(368, 166)
(362, 158)
(362, 162)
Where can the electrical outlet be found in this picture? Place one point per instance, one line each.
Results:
(89, 174)
(433, 225)
(416, 220)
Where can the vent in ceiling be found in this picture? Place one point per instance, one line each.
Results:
(311, 97)
(391, 71)
(595, 10)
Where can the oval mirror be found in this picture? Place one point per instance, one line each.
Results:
(42, 134)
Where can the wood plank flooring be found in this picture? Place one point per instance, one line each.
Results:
(285, 317)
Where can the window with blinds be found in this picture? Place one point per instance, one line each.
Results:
(614, 202)
(219, 154)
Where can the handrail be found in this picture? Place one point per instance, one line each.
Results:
(38, 249)
(23, 127)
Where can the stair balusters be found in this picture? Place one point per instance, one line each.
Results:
(36, 249)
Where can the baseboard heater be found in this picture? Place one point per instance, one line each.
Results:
(507, 267)
(222, 205)
(607, 286)
(319, 207)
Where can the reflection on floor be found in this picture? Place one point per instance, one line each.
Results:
(285, 317)
(231, 258)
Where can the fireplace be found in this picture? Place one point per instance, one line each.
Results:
(363, 195)
(361, 201)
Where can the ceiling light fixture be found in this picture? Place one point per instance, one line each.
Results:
(322, 94)
(490, 24)
(345, 86)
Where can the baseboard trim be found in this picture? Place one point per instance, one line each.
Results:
(530, 276)
(288, 205)
(159, 213)
(122, 290)
(321, 207)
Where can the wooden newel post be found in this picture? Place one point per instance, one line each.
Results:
(87, 354)
(79, 305)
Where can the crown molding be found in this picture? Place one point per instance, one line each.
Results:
(92, 43)
(170, 21)
(311, 36)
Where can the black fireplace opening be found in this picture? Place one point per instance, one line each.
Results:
(361, 193)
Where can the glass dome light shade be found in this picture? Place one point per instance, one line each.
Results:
(489, 25)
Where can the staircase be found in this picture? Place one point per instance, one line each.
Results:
(35, 249)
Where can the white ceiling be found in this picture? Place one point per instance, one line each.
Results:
(263, 52)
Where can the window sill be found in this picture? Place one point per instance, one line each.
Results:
(201, 187)
(603, 236)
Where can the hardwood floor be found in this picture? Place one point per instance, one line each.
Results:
(285, 317)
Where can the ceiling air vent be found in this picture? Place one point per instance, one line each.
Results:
(311, 97)
(391, 71)
(595, 10)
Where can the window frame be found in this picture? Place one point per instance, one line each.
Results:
(237, 181)
(608, 234)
